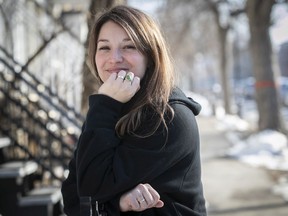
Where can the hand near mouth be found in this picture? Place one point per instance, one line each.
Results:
(121, 87)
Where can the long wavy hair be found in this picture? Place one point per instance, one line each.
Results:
(158, 81)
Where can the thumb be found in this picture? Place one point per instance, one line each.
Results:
(159, 204)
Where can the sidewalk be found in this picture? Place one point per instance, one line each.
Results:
(232, 187)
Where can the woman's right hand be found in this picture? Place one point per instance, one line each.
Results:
(140, 198)
(118, 87)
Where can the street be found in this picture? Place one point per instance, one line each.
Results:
(230, 186)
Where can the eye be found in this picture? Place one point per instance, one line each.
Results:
(129, 47)
(103, 48)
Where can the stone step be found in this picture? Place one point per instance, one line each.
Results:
(44, 201)
(17, 169)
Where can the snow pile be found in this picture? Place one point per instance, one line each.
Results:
(232, 122)
(266, 149)
(281, 188)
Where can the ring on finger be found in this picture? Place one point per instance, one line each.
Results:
(129, 76)
(122, 77)
(142, 200)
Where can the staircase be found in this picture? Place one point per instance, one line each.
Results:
(38, 133)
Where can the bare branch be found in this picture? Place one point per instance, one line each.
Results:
(40, 49)
(59, 21)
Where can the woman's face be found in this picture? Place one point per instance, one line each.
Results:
(116, 51)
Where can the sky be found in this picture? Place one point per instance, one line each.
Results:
(279, 31)
(148, 6)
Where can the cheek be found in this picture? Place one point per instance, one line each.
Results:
(140, 64)
(143, 67)
(142, 72)
(99, 66)
(97, 61)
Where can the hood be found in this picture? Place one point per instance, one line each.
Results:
(178, 96)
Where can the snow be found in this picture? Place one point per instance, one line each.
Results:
(268, 148)
(231, 123)
(265, 142)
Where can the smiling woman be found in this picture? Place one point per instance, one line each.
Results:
(116, 52)
(139, 151)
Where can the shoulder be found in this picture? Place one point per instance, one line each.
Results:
(183, 132)
(184, 125)
(177, 98)
(184, 118)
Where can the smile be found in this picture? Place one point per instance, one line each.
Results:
(116, 70)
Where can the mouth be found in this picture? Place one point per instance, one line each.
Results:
(116, 70)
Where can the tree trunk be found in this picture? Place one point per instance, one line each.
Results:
(89, 81)
(222, 32)
(224, 69)
(258, 13)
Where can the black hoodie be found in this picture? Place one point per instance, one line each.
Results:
(105, 166)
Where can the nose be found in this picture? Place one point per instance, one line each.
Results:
(116, 55)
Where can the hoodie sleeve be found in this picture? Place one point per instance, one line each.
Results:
(69, 191)
(107, 166)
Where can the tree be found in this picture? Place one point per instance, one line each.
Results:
(89, 82)
(7, 11)
(191, 21)
(223, 28)
(258, 13)
(189, 29)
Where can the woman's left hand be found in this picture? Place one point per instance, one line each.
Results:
(140, 198)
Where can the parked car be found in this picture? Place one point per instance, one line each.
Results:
(283, 91)
(248, 88)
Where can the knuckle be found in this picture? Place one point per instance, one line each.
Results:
(141, 185)
(157, 196)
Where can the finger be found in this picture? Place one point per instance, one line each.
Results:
(129, 77)
(121, 75)
(135, 204)
(142, 202)
(147, 195)
(155, 196)
(128, 201)
(112, 77)
(138, 193)
(159, 204)
(136, 83)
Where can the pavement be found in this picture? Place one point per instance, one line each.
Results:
(231, 187)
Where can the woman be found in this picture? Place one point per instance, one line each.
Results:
(138, 153)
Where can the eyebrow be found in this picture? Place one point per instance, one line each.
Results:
(105, 40)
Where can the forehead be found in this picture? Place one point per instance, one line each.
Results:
(111, 28)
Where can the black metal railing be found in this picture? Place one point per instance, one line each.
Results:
(48, 139)
(50, 97)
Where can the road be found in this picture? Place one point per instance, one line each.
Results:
(230, 186)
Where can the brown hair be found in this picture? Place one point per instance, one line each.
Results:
(157, 84)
